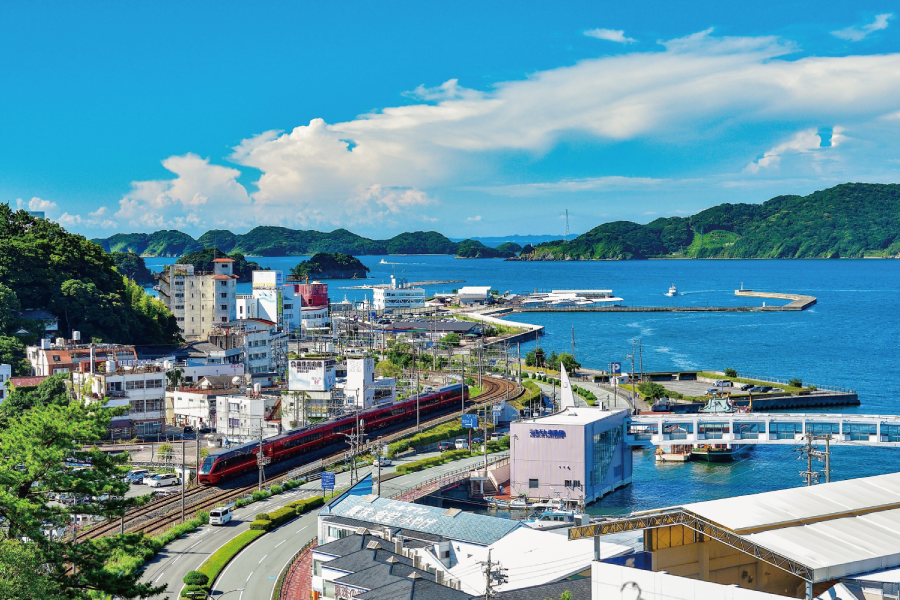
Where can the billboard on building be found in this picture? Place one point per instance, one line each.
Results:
(267, 279)
(311, 375)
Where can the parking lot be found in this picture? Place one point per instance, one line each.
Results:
(696, 388)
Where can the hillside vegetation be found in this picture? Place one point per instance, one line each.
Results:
(329, 266)
(203, 261)
(852, 220)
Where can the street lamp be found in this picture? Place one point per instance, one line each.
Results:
(226, 593)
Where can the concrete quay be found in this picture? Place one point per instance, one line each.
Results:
(798, 302)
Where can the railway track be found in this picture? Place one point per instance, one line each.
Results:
(163, 512)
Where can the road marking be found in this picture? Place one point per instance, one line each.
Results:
(160, 576)
(262, 559)
(301, 529)
(249, 576)
(280, 543)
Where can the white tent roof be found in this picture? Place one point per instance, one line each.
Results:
(837, 530)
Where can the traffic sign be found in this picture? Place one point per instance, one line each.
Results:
(616, 368)
(470, 421)
(327, 480)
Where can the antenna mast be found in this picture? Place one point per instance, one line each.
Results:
(567, 224)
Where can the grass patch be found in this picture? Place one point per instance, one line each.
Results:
(217, 561)
(785, 387)
(438, 433)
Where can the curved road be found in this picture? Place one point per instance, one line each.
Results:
(253, 573)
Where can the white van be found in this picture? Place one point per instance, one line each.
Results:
(221, 515)
(162, 480)
(462, 444)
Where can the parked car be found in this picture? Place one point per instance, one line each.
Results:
(777, 391)
(204, 429)
(766, 389)
(136, 476)
(383, 461)
(163, 479)
(747, 386)
(723, 383)
(712, 391)
(477, 440)
(757, 389)
(168, 492)
(188, 429)
(445, 445)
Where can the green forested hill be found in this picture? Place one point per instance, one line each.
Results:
(277, 241)
(852, 220)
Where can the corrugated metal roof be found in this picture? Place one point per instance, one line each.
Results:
(782, 508)
(468, 527)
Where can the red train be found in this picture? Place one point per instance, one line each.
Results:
(232, 462)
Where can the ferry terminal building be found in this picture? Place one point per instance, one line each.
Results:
(576, 454)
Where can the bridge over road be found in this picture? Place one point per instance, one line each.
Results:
(761, 428)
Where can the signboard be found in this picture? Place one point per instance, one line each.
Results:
(327, 480)
(616, 368)
(267, 279)
(557, 434)
(311, 375)
(470, 421)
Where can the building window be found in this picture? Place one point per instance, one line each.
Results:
(533, 484)
(223, 307)
(223, 295)
(234, 422)
(222, 283)
(224, 319)
(605, 445)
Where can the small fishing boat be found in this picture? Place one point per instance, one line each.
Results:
(548, 504)
(520, 503)
(718, 453)
(553, 519)
(495, 502)
(673, 291)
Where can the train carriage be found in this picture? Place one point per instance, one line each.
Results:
(232, 462)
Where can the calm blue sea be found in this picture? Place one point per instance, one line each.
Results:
(850, 339)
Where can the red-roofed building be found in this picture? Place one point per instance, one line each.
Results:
(223, 260)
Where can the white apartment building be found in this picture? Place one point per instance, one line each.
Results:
(140, 388)
(362, 389)
(284, 305)
(399, 295)
(5, 375)
(200, 299)
(241, 418)
(262, 344)
(194, 407)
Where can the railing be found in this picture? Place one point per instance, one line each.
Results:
(831, 388)
(283, 576)
(448, 478)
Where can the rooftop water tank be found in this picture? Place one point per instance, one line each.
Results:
(76, 336)
(60, 341)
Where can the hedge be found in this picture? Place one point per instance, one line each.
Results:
(433, 435)
(261, 525)
(262, 516)
(282, 515)
(302, 506)
(213, 565)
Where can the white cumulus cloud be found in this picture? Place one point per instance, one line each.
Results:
(856, 33)
(473, 219)
(612, 35)
(381, 168)
(803, 142)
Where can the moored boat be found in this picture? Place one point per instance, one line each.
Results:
(553, 519)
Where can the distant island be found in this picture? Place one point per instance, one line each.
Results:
(852, 220)
(329, 266)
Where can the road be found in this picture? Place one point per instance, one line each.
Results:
(255, 571)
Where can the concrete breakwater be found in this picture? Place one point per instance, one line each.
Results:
(815, 400)
(798, 302)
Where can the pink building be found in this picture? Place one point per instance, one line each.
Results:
(578, 454)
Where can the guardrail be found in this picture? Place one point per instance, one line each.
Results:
(768, 379)
(283, 576)
(448, 478)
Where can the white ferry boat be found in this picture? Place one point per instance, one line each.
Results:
(673, 291)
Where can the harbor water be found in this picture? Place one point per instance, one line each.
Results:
(849, 339)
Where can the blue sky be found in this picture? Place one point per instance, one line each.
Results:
(472, 118)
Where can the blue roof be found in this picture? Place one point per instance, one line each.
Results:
(462, 526)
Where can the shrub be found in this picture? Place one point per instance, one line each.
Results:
(261, 525)
(307, 504)
(811, 388)
(194, 591)
(282, 515)
(275, 489)
(241, 503)
(195, 578)
(730, 373)
(213, 565)
(260, 495)
(262, 516)
(795, 382)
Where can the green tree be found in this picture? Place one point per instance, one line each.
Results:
(649, 389)
(9, 304)
(12, 352)
(535, 358)
(175, 376)
(132, 266)
(795, 382)
(450, 340)
(165, 452)
(730, 373)
(564, 359)
(37, 444)
(386, 368)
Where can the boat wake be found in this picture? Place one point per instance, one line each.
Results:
(702, 292)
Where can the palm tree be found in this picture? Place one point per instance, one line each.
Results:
(175, 377)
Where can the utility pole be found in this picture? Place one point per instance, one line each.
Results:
(183, 478)
(641, 354)
(261, 459)
(494, 574)
(519, 360)
(416, 366)
(809, 453)
(633, 386)
(573, 341)
(486, 408)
